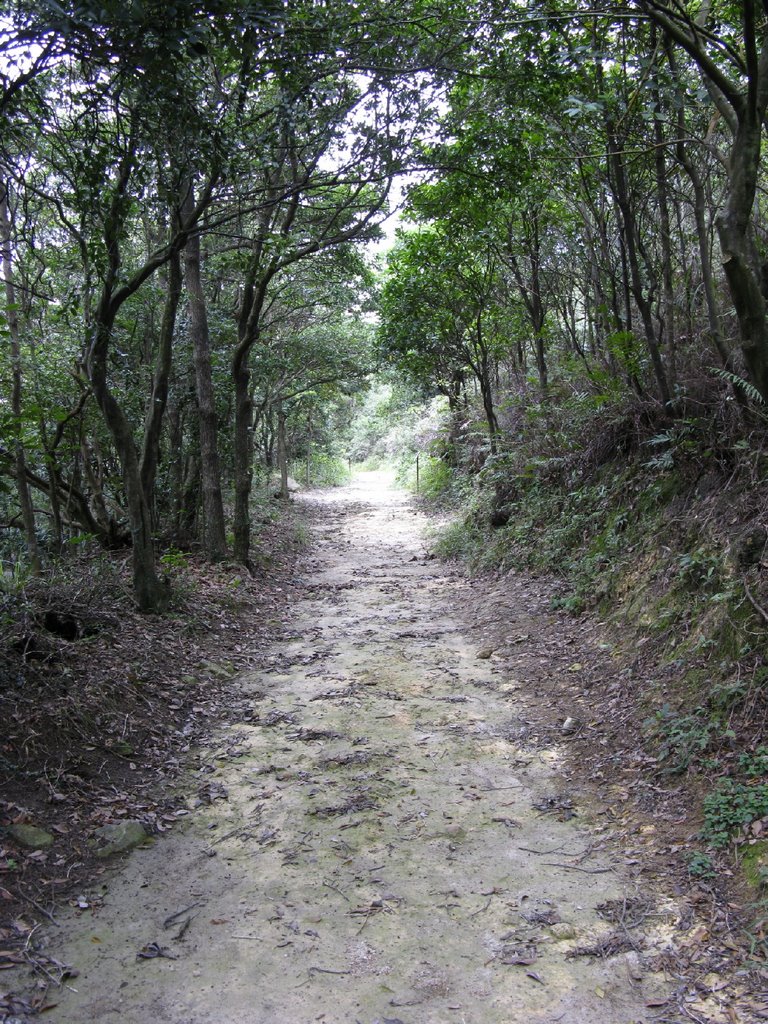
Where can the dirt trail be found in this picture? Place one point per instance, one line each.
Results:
(372, 852)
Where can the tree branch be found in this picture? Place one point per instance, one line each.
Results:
(691, 45)
(761, 611)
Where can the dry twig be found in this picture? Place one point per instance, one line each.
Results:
(758, 608)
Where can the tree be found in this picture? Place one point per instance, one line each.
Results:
(728, 43)
(283, 126)
(306, 208)
(214, 529)
(16, 411)
(100, 157)
(436, 310)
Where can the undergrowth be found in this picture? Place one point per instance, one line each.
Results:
(324, 471)
(657, 524)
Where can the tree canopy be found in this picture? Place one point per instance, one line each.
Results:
(187, 191)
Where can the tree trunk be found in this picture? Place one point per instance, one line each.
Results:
(150, 594)
(94, 482)
(481, 369)
(631, 240)
(22, 487)
(705, 258)
(153, 422)
(73, 505)
(214, 529)
(665, 230)
(743, 105)
(148, 590)
(176, 444)
(53, 494)
(490, 415)
(740, 259)
(190, 495)
(242, 458)
(282, 453)
(707, 277)
(535, 303)
(268, 439)
(541, 363)
(309, 450)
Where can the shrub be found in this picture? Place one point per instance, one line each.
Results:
(730, 808)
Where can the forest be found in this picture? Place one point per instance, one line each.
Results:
(521, 245)
(187, 194)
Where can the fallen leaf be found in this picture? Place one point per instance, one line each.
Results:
(152, 950)
(522, 957)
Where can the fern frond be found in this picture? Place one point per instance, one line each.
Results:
(733, 378)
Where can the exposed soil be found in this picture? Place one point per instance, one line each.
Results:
(392, 826)
(96, 726)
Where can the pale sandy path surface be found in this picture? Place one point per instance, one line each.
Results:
(378, 858)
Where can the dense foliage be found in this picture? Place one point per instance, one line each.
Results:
(185, 193)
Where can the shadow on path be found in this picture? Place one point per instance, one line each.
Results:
(378, 842)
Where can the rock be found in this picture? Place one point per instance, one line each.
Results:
(634, 965)
(222, 671)
(293, 487)
(455, 832)
(569, 726)
(562, 931)
(118, 837)
(510, 687)
(485, 653)
(31, 836)
(500, 516)
(749, 547)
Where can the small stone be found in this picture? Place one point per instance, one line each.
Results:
(276, 484)
(510, 687)
(569, 727)
(31, 836)
(222, 671)
(119, 837)
(634, 965)
(485, 653)
(455, 832)
(562, 931)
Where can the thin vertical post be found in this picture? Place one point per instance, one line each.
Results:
(309, 442)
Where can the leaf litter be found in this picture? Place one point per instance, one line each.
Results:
(424, 818)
